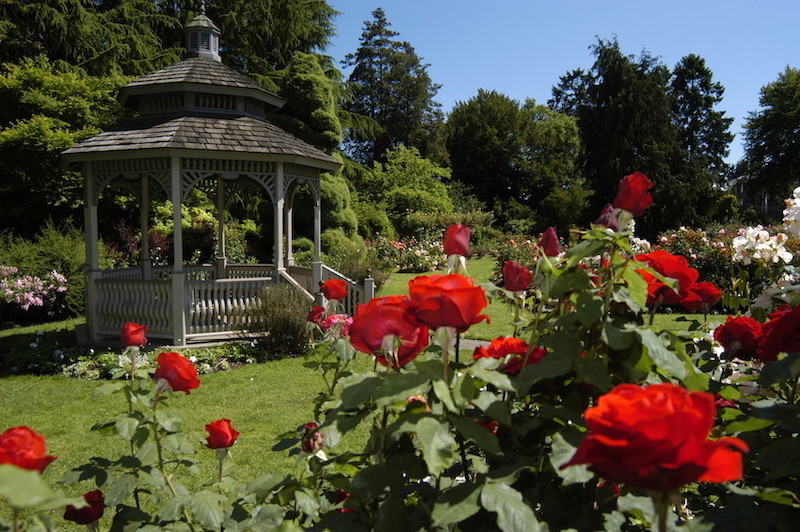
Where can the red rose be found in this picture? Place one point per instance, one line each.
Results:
(24, 448)
(608, 218)
(781, 334)
(312, 439)
(386, 317)
(335, 289)
(656, 438)
(447, 301)
(88, 514)
(490, 425)
(456, 240)
(316, 314)
(549, 242)
(633, 195)
(700, 297)
(501, 347)
(178, 371)
(739, 336)
(133, 334)
(221, 434)
(668, 265)
(516, 277)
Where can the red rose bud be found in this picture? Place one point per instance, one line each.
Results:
(384, 328)
(133, 334)
(633, 195)
(513, 351)
(221, 434)
(178, 371)
(24, 448)
(335, 289)
(668, 265)
(656, 439)
(88, 514)
(316, 314)
(549, 242)
(312, 439)
(739, 336)
(447, 301)
(608, 218)
(781, 334)
(700, 297)
(456, 240)
(516, 277)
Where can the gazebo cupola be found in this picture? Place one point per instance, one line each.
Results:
(202, 37)
(199, 124)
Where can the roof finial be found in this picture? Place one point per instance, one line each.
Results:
(203, 6)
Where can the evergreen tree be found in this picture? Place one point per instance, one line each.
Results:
(772, 144)
(703, 131)
(389, 84)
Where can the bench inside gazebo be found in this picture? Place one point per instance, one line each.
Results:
(199, 124)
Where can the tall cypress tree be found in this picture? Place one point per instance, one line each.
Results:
(390, 84)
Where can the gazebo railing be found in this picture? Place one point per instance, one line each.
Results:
(122, 300)
(215, 307)
(248, 271)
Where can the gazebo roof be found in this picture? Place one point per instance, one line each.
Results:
(207, 133)
(200, 72)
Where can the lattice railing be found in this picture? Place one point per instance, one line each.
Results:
(357, 294)
(215, 307)
(121, 300)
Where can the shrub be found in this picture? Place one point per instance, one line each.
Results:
(373, 220)
(409, 254)
(278, 321)
(432, 225)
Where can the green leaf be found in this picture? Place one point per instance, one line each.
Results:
(373, 481)
(593, 371)
(344, 350)
(573, 280)
(126, 427)
(442, 391)
(490, 376)
(617, 338)
(748, 425)
(438, 445)
(471, 430)
(780, 458)
(589, 308)
(263, 486)
(513, 514)
(107, 388)
(169, 419)
(464, 390)
(641, 507)
(398, 387)
(637, 286)
(357, 389)
(659, 354)
(119, 488)
(307, 503)
(622, 294)
(493, 407)
(206, 509)
(562, 343)
(172, 510)
(25, 489)
(561, 452)
(456, 504)
(782, 370)
(552, 365)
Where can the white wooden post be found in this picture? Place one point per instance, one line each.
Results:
(289, 229)
(178, 275)
(222, 259)
(144, 209)
(279, 202)
(316, 270)
(92, 266)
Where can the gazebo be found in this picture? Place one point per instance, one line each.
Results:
(199, 124)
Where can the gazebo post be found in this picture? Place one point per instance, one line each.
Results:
(279, 202)
(222, 259)
(147, 263)
(316, 271)
(289, 228)
(92, 266)
(178, 275)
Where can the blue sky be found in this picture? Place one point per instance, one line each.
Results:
(521, 47)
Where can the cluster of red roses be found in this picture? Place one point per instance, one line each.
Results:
(693, 295)
(745, 338)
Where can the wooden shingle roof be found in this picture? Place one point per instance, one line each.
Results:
(207, 133)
